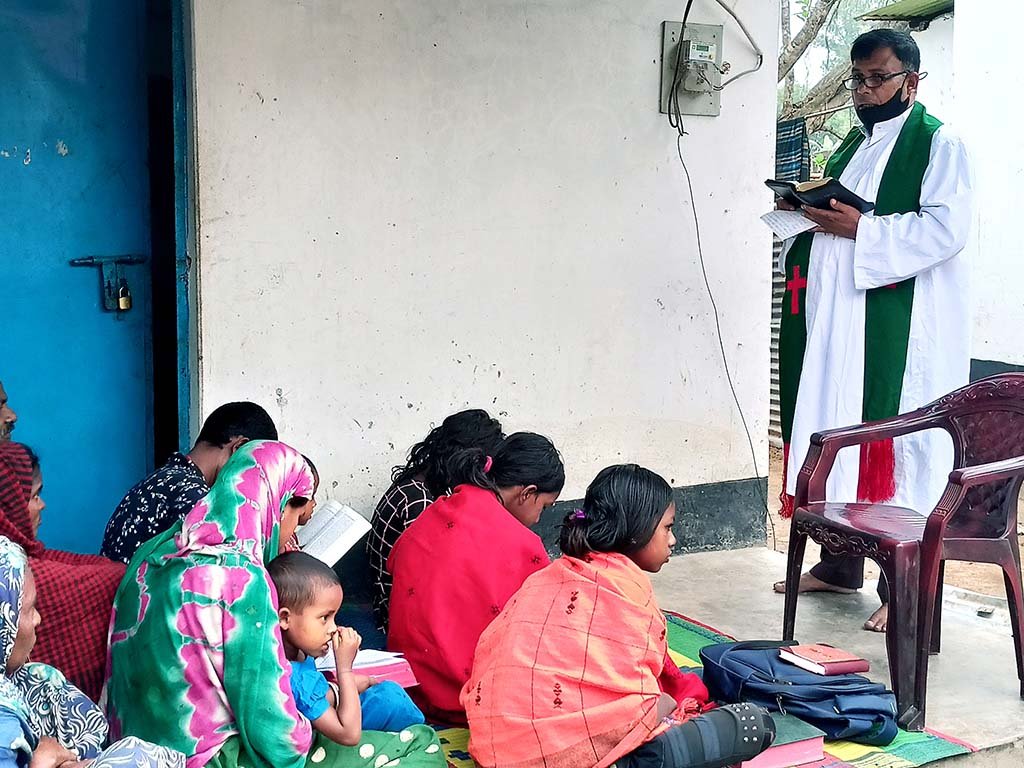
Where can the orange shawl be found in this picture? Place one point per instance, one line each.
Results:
(568, 674)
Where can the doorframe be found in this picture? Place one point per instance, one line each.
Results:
(185, 223)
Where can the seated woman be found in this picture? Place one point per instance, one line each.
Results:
(76, 592)
(568, 674)
(416, 485)
(44, 720)
(459, 562)
(197, 659)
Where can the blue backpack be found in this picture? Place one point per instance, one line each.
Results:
(848, 707)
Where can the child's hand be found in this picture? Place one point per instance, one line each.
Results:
(365, 681)
(346, 645)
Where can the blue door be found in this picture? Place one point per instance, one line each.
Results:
(74, 184)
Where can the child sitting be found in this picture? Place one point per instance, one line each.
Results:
(309, 595)
(571, 672)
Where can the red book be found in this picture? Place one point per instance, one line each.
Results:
(382, 665)
(397, 672)
(823, 659)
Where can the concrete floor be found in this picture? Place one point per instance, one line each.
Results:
(973, 691)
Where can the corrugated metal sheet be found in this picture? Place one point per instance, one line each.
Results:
(910, 10)
(778, 289)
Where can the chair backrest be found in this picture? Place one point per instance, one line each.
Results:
(986, 422)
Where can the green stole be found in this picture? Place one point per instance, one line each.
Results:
(887, 309)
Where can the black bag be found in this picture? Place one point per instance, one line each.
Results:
(849, 707)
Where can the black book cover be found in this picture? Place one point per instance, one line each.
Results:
(817, 194)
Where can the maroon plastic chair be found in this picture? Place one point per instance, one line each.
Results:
(974, 521)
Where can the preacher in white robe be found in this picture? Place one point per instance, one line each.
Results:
(919, 251)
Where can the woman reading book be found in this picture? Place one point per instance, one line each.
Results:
(197, 658)
(460, 561)
(572, 672)
(416, 484)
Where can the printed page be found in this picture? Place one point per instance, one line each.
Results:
(787, 224)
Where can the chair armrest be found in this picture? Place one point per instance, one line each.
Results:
(960, 480)
(993, 472)
(885, 429)
(825, 446)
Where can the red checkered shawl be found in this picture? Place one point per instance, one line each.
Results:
(75, 592)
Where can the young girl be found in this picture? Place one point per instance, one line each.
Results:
(309, 595)
(461, 560)
(44, 720)
(414, 486)
(570, 673)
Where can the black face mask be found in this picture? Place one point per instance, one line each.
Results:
(872, 114)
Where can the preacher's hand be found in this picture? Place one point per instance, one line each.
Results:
(841, 221)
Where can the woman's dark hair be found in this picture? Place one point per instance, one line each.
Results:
(620, 513)
(524, 458)
(298, 577)
(460, 431)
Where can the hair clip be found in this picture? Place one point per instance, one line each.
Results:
(578, 514)
(488, 463)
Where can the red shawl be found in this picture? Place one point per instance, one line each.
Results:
(454, 569)
(75, 592)
(572, 671)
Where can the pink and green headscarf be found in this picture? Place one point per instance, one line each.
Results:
(196, 656)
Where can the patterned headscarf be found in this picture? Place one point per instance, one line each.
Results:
(243, 509)
(15, 492)
(42, 699)
(201, 594)
(13, 565)
(73, 590)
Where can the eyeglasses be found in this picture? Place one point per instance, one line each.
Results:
(871, 81)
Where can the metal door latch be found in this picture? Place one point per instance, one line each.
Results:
(114, 290)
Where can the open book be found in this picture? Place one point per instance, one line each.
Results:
(333, 531)
(383, 665)
(818, 193)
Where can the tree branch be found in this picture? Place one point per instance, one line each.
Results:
(816, 19)
(787, 37)
(826, 90)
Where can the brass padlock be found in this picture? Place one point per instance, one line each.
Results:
(124, 297)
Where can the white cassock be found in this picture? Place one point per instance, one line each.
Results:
(927, 245)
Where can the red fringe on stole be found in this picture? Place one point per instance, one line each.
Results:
(877, 480)
(786, 500)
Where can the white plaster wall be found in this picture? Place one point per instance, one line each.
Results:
(988, 116)
(936, 44)
(409, 208)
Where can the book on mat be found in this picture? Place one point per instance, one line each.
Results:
(818, 193)
(796, 743)
(823, 659)
(383, 665)
(333, 531)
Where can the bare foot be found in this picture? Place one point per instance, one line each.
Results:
(879, 619)
(809, 583)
